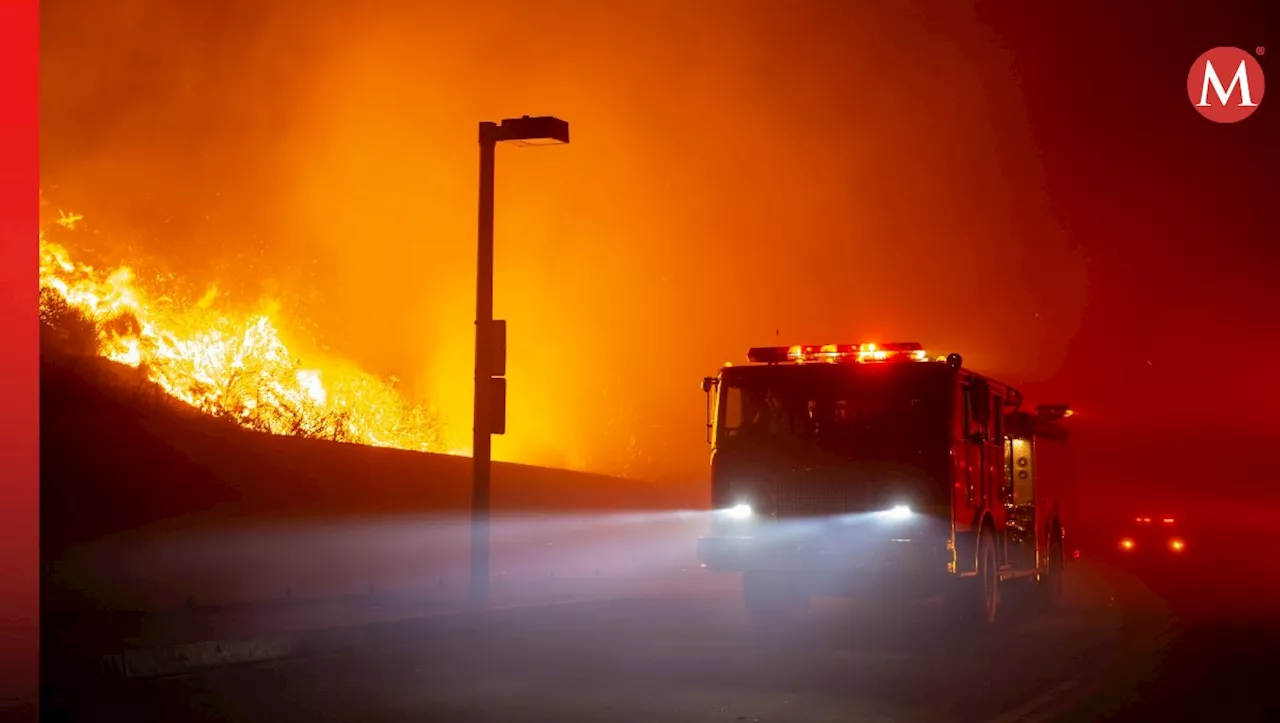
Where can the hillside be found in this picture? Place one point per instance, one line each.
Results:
(117, 454)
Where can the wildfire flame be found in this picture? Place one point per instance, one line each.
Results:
(233, 366)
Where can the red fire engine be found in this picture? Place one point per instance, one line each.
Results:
(863, 468)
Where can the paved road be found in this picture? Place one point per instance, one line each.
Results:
(689, 656)
(1220, 659)
(1213, 670)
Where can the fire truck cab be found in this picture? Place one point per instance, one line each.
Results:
(864, 469)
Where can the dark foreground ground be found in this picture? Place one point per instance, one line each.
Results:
(1186, 647)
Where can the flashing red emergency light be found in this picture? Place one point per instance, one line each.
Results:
(832, 353)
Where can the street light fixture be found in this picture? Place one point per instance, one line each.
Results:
(490, 385)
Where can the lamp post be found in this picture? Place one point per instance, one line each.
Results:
(490, 383)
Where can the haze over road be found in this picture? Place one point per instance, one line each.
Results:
(685, 653)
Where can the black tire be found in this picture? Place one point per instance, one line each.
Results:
(1052, 579)
(977, 599)
(988, 596)
(771, 598)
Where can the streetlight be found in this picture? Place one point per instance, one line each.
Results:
(490, 413)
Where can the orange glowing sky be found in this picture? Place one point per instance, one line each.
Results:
(734, 171)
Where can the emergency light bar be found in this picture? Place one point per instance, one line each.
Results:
(832, 353)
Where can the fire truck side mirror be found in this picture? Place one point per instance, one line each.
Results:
(707, 383)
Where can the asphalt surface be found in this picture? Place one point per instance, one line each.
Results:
(1219, 661)
(1119, 649)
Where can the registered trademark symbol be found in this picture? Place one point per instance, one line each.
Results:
(1260, 50)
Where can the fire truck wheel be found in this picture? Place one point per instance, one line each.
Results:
(1052, 580)
(988, 596)
(771, 598)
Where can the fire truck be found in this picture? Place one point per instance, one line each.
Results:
(877, 470)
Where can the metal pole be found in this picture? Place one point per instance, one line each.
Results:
(480, 440)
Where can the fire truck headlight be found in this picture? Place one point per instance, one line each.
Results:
(897, 512)
(740, 511)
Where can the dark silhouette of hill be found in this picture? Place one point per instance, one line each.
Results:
(118, 454)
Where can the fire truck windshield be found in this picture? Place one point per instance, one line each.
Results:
(853, 412)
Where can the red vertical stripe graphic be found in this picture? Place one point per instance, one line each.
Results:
(19, 363)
